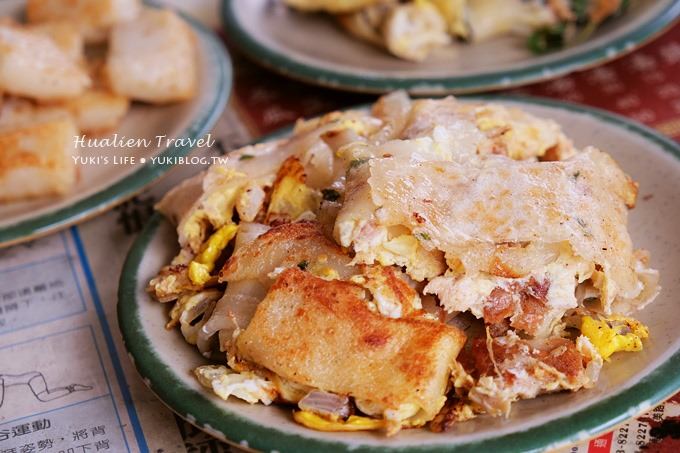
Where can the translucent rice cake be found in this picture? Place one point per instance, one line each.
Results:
(20, 112)
(93, 18)
(33, 65)
(96, 111)
(37, 159)
(68, 39)
(153, 58)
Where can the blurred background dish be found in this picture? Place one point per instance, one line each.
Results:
(315, 48)
(81, 128)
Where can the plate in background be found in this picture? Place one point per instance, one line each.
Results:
(101, 187)
(312, 48)
(629, 384)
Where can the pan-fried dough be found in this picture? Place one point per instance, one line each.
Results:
(321, 333)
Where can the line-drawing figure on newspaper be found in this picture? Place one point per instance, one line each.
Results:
(38, 385)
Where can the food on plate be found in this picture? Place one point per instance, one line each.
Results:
(52, 77)
(97, 111)
(92, 18)
(33, 65)
(37, 159)
(69, 40)
(152, 58)
(413, 29)
(333, 269)
(506, 368)
(396, 369)
(333, 6)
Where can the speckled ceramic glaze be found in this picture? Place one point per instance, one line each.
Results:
(630, 383)
(102, 186)
(313, 48)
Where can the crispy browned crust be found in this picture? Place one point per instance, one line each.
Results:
(292, 234)
(321, 333)
(93, 12)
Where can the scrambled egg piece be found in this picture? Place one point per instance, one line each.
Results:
(359, 125)
(412, 30)
(404, 250)
(222, 187)
(327, 273)
(353, 423)
(331, 6)
(453, 11)
(321, 269)
(406, 415)
(245, 385)
(519, 135)
(404, 245)
(204, 263)
(392, 295)
(291, 197)
(614, 334)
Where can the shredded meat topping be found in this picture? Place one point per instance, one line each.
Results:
(560, 353)
(525, 304)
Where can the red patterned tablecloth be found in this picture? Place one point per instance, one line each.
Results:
(644, 86)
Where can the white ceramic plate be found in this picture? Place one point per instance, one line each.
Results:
(629, 384)
(312, 48)
(102, 186)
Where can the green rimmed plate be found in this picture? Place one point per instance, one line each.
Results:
(630, 383)
(312, 48)
(101, 185)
